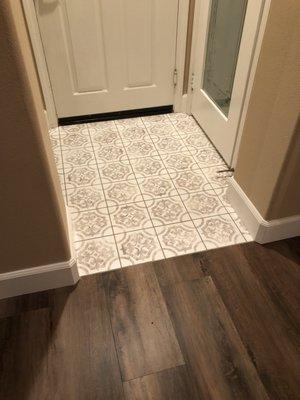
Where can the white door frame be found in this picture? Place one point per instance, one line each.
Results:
(38, 51)
(250, 78)
(34, 33)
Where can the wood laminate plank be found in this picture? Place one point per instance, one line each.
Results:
(178, 269)
(277, 267)
(171, 384)
(25, 340)
(28, 302)
(267, 335)
(83, 356)
(145, 339)
(212, 346)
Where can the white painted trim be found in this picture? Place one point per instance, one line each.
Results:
(44, 277)
(182, 23)
(254, 62)
(261, 230)
(38, 51)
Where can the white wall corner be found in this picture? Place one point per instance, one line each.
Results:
(261, 230)
(44, 277)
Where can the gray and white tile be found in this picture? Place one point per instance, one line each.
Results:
(97, 255)
(177, 162)
(148, 166)
(216, 175)
(180, 238)
(190, 181)
(82, 176)
(91, 224)
(167, 210)
(157, 187)
(218, 231)
(138, 247)
(129, 217)
(203, 204)
(123, 192)
(116, 171)
(85, 198)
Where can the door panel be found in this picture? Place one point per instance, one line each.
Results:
(225, 33)
(108, 55)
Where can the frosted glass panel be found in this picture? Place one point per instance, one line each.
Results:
(224, 36)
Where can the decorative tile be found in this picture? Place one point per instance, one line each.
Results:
(78, 157)
(133, 133)
(222, 194)
(91, 224)
(169, 144)
(190, 181)
(138, 182)
(97, 255)
(140, 148)
(82, 176)
(117, 171)
(239, 223)
(129, 217)
(196, 140)
(215, 178)
(106, 138)
(161, 129)
(101, 126)
(157, 187)
(109, 153)
(126, 122)
(154, 119)
(74, 136)
(148, 166)
(122, 192)
(179, 162)
(208, 157)
(177, 116)
(178, 239)
(218, 231)
(187, 126)
(138, 247)
(77, 128)
(167, 211)
(203, 204)
(85, 198)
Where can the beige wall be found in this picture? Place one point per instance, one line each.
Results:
(33, 226)
(268, 168)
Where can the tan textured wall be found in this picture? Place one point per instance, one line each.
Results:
(271, 135)
(33, 229)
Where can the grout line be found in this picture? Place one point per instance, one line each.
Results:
(179, 198)
(104, 197)
(141, 191)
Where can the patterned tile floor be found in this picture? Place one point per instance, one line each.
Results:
(142, 189)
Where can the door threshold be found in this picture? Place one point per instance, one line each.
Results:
(140, 112)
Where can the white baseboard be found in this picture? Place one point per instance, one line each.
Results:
(44, 277)
(261, 230)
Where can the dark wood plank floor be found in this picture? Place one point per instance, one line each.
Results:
(217, 325)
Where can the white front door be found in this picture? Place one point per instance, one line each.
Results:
(109, 55)
(224, 40)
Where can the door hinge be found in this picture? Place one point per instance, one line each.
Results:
(175, 77)
(192, 81)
